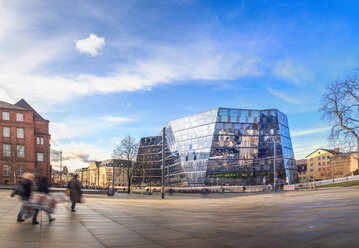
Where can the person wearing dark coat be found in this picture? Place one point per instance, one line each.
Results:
(75, 187)
(43, 188)
(25, 186)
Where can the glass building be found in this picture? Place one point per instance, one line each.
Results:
(220, 146)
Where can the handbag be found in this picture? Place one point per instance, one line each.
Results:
(68, 191)
(19, 190)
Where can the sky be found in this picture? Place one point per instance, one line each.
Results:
(102, 70)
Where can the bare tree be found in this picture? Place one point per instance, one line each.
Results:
(65, 171)
(340, 106)
(127, 150)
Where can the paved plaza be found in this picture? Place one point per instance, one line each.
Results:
(323, 218)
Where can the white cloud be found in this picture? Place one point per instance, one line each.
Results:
(292, 72)
(304, 149)
(173, 65)
(73, 128)
(309, 131)
(91, 44)
(111, 118)
(78, 154)
(282, 96)
(128, 104)
(28, 64)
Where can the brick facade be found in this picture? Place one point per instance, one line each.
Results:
(24, 149)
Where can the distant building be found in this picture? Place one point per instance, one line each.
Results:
(55, 178)
(319, 165)
(103, 174)
(25, 142)
(302, 169)
(60, 180)
(345, 164)
(83, 176)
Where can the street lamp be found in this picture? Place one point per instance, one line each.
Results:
(60, 168)
(163, 163)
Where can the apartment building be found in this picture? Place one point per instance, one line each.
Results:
(25, 142)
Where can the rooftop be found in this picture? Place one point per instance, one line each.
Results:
(10, 106)
(21, 105)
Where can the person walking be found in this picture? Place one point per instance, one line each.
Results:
(24, 190)
(43, 188)
(75, 187)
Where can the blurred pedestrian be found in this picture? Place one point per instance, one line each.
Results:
(44, 189)
(75, 187)
(24, 191)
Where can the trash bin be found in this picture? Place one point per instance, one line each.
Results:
(110, 191)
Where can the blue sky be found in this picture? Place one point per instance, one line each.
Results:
(101, 70)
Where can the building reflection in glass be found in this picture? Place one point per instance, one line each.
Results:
(220, 146)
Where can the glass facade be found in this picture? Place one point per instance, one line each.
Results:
(148, 163)
(226, 146)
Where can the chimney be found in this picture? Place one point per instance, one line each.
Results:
(336, 149)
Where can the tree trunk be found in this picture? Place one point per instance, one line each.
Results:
(129, 183)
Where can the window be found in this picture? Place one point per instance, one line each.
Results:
(319, 164)
(20, 151)
(311, 170)
(323, 157)
(20, 133)
(19, 117)
(6, 131)
(6, 150)
(304, 172)
(6, 170)
(323, 169)
(303, 178)
(20, 170)
(40, 140)
(300, 173)
(6, 116)
(318, 152)
(311, 165)
(40, 156)
(318, 158)
(311, 159)
(328, 157)
(319, 169)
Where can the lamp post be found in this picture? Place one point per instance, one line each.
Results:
(274, 166)
(113, 175)
(163, 163)
(60, 168)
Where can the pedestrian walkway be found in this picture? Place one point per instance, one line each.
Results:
(324, 218)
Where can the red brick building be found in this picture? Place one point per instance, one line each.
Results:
(24, 142)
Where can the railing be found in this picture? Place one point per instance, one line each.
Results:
(328, 181)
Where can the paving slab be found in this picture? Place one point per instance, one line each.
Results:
(322, 218)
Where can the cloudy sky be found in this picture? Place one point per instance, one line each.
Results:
(101, 70)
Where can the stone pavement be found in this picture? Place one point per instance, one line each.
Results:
(324, 218)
